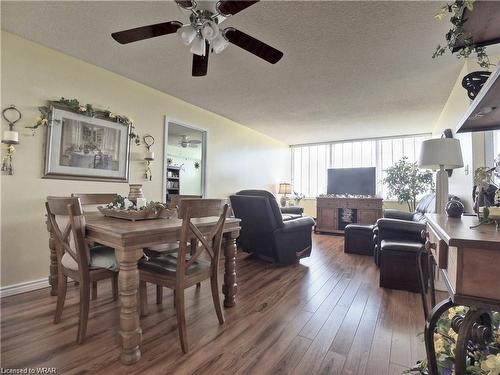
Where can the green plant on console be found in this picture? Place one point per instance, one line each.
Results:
(405, 181)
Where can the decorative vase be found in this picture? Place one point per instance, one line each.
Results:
(454, 208)
(135, 192)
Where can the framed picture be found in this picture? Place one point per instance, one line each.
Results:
(80, 147)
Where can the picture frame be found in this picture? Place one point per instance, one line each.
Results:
(80, 147)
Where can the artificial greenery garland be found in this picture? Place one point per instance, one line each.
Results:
(481, 360)
(74, 105)
(457, 34)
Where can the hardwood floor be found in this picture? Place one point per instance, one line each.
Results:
(326, 315)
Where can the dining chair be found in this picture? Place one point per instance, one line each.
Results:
(75, 258)
(89, 202)
(185, 268)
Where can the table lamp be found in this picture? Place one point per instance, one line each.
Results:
(441, 154)
(285, 188)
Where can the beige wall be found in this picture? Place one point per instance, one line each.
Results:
(473, 144)
(238, 157)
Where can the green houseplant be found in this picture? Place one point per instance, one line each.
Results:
(405, 181)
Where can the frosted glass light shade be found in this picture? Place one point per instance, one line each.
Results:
(210, 30)
(438, 152)
(219, 44)
(187, 34)
(198, 47)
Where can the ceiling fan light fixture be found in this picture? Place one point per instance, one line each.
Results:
(187, 34)
(219, 44)
(210, 30)
(198, 46)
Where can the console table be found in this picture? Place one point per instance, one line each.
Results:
(469, 261)
(334, 213)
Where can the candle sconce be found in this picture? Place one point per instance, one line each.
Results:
(10, 137)
(149, 156)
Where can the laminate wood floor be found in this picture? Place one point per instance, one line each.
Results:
(326, 315)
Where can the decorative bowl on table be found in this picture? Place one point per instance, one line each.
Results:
(134, 215)
(122, 208)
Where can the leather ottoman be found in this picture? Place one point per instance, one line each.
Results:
(399, 267)
(358, 239)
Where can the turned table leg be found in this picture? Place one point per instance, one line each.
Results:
(53, 271)
(128, 283)
(465, 334)
(430, 327)
(229, 288)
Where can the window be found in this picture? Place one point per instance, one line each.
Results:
(310, 162)
(496, 143)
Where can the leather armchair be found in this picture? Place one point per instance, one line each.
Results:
(266, 231)
(403, 226)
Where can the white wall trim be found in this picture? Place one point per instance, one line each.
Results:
(27, 286)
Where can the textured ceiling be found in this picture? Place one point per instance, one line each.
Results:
(351, 69)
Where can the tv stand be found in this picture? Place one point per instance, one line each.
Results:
(334, 213)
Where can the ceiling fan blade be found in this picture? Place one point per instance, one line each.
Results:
(252, 45)
(186, 4)
(146, 32)
(200, 63)
(230, 8)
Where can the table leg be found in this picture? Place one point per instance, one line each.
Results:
(128, 283)
(423, 282)
(430, 326)
(53, 268)
(229, 288)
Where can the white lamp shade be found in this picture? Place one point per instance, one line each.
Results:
(210, 30)
(219, 44)
(198, 46)
(187, 34)
(439, 152)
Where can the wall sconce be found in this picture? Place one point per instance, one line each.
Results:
(10, 137)
(149, 156)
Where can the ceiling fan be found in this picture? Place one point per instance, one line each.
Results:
(203, 32)
(185, 142)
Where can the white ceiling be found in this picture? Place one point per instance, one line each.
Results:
(176, 132)
(351, 69)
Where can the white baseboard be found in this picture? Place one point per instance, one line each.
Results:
(27, 286)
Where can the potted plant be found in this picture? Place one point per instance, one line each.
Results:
(405, 181)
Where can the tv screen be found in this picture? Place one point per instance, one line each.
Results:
(354, 181)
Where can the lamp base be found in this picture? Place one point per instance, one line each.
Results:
(283, 201)
(441, 190)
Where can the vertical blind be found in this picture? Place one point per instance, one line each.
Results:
(310, 162)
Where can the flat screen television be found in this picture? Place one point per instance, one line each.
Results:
(353, 181)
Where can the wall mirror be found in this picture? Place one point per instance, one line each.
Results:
(184, 160)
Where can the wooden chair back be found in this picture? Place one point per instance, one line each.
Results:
(174, 199)
(205, 242)
(94, 199)
(67, 223)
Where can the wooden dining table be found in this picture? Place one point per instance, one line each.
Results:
(128, 239)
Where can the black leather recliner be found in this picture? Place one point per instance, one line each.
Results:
(269, 232)
(391, 223)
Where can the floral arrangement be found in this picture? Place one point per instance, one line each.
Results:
(87, 110)
(122, 203)
(481, 360)
(297, 197)
(456, 35)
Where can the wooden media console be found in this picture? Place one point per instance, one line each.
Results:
(334, 213)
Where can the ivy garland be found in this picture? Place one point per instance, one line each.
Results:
(457, 34)
(74, 105)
